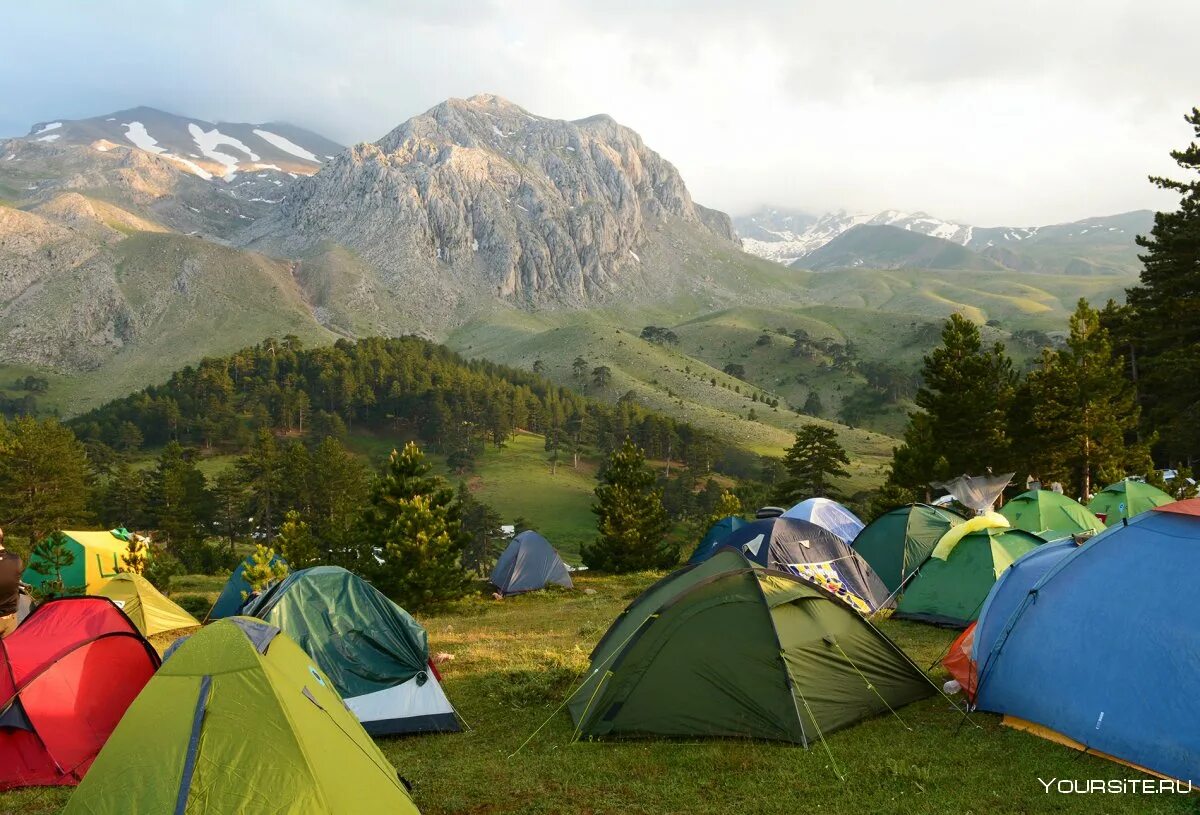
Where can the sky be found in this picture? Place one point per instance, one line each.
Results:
(1017, 113)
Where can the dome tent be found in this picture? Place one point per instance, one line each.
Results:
(529, 563)
(829, 515)
(375, 653)
(899, 541)
(713, 538)
(67, 675)
(814, 553)
(239, 719)
(1050, 515)
(233, 593)
(727, 649)
(150, 610)
(97, 558)
(1126, 499)
(1114, 671)
(950, 587)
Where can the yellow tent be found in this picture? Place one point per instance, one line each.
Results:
(97, 557)
(150, 611)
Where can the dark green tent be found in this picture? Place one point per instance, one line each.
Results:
(727, 649)
(899, 541)
(375, 653)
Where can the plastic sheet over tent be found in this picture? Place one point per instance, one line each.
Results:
(829, 515)
(376, 654)
(976, 492)
(813, 553)
(1103, 656)
(240, 720)
(529, 563)
(67, 675)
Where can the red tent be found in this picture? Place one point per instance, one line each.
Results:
(67, 674)
(1189, 506)
(959, 663)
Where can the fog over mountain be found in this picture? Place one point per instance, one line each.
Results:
(1039, 115)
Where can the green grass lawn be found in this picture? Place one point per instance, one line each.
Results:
(517, 659)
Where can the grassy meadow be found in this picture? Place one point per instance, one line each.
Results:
(516, 660)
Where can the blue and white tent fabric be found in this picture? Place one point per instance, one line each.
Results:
(1098, 643)
(828, 515)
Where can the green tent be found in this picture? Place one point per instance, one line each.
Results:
(1125, 499)
(1050, 515)
(727, 649)
(952, 585)
(899, 541)
(239, 719)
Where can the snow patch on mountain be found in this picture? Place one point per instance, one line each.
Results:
(46, 128)
(136, 132)
(209, 140)
(285, 145)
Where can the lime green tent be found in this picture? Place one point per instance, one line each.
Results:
(727, 649)
(146, 606)
(952, 585)
(899, 541)
(239, 719)
(1125, 499)
(1050, 515)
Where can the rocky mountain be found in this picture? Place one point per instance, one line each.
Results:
(478, 200)
(880, 246)
(1102, 245)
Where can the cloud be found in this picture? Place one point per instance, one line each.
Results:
(1025, 112)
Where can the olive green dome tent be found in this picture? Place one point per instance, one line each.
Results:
(1126, 499)
(899, 541)
(1050, 515)
(240, 720)
(727, 649)
(149, 609)
(950, 587)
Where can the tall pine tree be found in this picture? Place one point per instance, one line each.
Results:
(961, 425)
(414, 521)
(813, 461)
(1083, 419)
(630, 517)
(1166, 314)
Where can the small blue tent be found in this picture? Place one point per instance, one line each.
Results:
(1103, 649)
(714, 537)
(529, 563)
(230, 600)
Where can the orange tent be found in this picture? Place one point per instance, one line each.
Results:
(1188, 506)
(959, 663)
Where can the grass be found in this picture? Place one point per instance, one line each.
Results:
(516, 660)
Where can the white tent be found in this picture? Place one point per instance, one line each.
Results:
(828, 515)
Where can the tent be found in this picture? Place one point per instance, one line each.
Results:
(1126, 499)
(97, 557)
(375, 653)
(814, 553)
(67, 675)
(899, 541)
(239, 719)
(232, 597)
(714, 537)
(529, 563)
(1050, 515)
(1101, 651)
(727, 649)
(149, 609)
(950, 587)
(828, 515)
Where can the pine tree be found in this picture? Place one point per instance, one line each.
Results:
(296, 542)
(135, 557)
(961, 425)
(1165, 321)
(1082, 427)
(45, 480)
(261, 470)
(415, 522)
(631, 519)
(182, 505)
(263, 569)
(50, 557)
(814, 459)
(813, 406)
(482, 523)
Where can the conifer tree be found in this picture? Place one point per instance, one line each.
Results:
(50, 557)
(44, 478)
(1081, 429)
(135, 557)
(296, 542)
(263, 569)
(630, 516)
(415, 523)
(815, 458)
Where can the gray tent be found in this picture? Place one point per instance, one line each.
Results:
(528, 564)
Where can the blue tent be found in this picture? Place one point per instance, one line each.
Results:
(714, 536)
(829, 515)
(1012, 590)
(529, 563)
(230, 600)
(1102, 648)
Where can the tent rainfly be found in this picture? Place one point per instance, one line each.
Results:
(529, 563)
(1050, 515)
(715, 536)
(1126, 499)
(899, 541)
(149, 609)
(829, 515)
